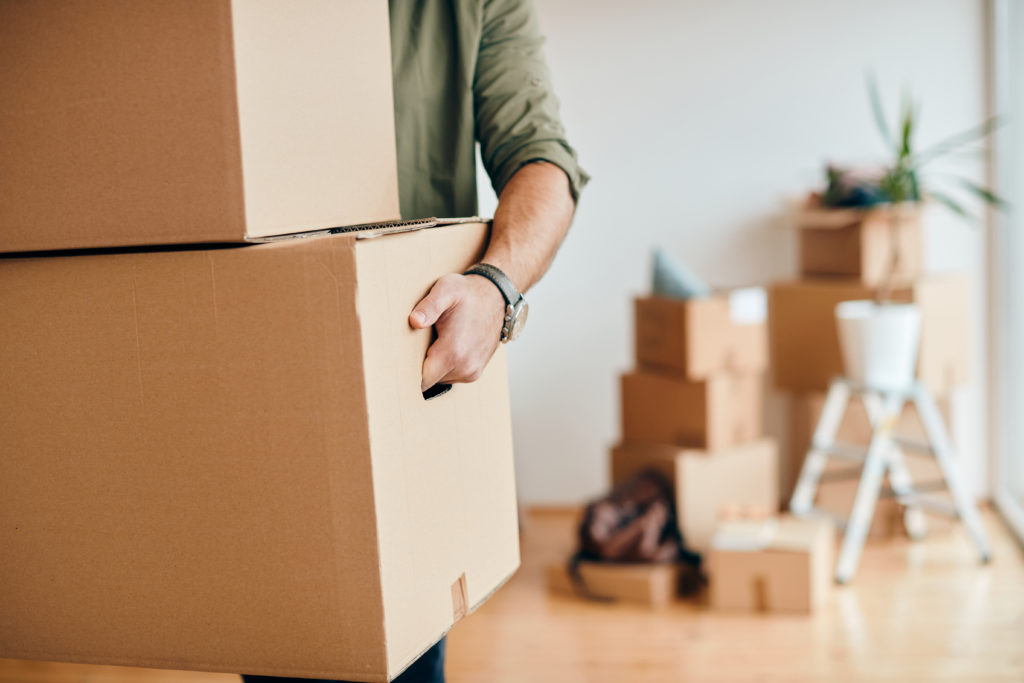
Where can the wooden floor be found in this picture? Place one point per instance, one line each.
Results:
(921, 611)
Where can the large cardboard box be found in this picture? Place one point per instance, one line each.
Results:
(705, 484)
(702, 336)
(654, 585)
(776, 565)
(722, 411)
(190, 121)
(859, 244)
(804, 343)
(836, 492)
(221, 459)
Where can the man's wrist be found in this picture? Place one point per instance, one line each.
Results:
(487, 286)
(516, 308)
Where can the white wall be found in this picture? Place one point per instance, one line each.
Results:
(696, 119)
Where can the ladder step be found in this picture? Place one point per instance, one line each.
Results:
(930, 503)
(914, 446)
(843, 451)
(857, 452)
(844, 474)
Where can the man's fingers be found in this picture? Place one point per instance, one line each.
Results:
(436, 366)
(442, 296)
(466, 312)
(446, 362)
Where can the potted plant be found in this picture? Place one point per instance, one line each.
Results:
(879, 338)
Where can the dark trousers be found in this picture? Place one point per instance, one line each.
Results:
(427, 669)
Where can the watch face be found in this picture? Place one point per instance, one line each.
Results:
(522, 312)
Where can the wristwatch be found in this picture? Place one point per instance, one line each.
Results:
(516, 308)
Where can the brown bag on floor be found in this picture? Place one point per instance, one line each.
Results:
(635, 522)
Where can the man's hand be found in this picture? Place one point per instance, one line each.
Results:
(533, 215)
(468, 311)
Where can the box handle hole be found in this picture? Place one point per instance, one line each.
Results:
(436, 390)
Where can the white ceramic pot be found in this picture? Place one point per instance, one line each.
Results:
(879, 342)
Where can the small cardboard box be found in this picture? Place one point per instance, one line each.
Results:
(836, 495)
(804, 343)
(654, 585)
(700, 337)
(722, 411)
(705, 483)
(221, 459)
(857, 243)
(780, 565)
(125, 123)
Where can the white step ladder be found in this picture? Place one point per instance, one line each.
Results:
(884, 455)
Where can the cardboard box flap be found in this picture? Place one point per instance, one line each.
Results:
(798, 535)
(785, 534)
(745, 535)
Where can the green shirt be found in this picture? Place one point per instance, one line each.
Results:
(467, 71)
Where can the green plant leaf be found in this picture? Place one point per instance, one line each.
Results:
(985, 194)
(951, 204)
(907, 126)
(877, 110)
(953, 142)
(974, 154)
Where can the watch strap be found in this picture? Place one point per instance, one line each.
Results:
(500, 280)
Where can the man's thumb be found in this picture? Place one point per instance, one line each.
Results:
(441, 297)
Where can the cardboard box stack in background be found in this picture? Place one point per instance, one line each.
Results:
(220, 458)
(692, 408)
(692, 412)
(843, 256)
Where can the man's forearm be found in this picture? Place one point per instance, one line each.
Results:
(534, 213)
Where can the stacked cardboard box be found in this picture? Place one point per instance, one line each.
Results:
(692, 408)
(844, 255)
(220, 458)
(652, 585)
(778, 564)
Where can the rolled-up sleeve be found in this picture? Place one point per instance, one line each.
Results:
(517, 118)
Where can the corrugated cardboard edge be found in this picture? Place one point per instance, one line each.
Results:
(371, 230)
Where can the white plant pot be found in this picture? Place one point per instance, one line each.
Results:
(879, 342)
